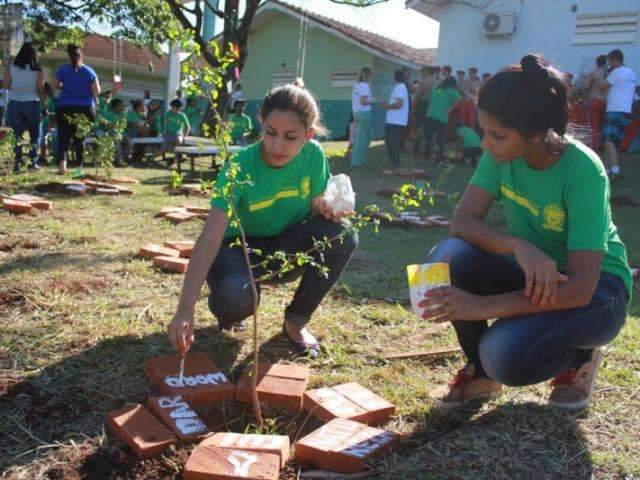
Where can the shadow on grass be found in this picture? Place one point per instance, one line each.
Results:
(53, 260)
(512, 440)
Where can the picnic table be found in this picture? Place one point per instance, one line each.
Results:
(202, 150)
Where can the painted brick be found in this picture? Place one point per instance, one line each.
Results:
(275, 444)
(143, 432)
(278, 384)
(214, 463)
(171, 264)
(203, 382)
(177, 416)
(378, 409)
(344, 446)
(151, 250)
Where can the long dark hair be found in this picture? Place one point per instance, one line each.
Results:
(75, 54)
(530, 97)
(363, 72)
(27, 55)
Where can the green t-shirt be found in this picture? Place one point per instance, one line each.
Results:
(240, 124)
(50, 105)
(134, 119)
(115, 123)
(440, 101)
(470, 138)
(176, 123)
(562, 208)
(277, 198)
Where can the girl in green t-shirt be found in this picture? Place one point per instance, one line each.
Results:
(558, 282)
(442, 100)
(278, 196)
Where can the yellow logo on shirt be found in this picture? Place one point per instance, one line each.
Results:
(553, 218)
(305, 188)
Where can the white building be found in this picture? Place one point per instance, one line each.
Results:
(489, 34)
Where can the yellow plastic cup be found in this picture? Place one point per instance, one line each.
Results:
(423, 278)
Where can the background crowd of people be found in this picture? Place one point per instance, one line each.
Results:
(440, 107)
(55, 114)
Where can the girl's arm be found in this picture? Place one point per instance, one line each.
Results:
(583, 272)
(540, 270)
(40, 89)
(181, 329)
(95, 88)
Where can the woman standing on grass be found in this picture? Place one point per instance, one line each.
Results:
(558, 282)
(282, 210)
(80, 86)
(25, 82)
(361, 101)
(443, 99)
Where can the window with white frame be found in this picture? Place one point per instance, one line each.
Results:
(343, 77)
(610, 28)
(282, 77)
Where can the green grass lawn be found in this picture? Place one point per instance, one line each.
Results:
(80, 316)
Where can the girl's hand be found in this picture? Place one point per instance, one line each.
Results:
(452, 303)
(321, 207)
(541, 273)
(181, 333)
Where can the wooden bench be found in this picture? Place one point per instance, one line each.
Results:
(192, 152)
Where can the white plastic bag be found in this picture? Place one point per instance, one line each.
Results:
(339, 194)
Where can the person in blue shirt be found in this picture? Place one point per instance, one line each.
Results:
(80, 86)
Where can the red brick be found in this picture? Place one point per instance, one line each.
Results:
(178, 416)
(203, 382)
(327, 404)
(151, 250)
(344, 446)
(196, 209)
(278, 384)
(166, 210)
(143, 432)
(379, 410)
(107, 191)
(124, 190)
(171, 264)
(185, 247)
(42, 205)
(179, 217)
(15, 206)
(214, 463)
(25, 197)
(95, 184)
(124, 180)
(275, 444)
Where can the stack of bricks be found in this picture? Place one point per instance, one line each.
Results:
(103, 188)
(183, 214)
(347, 443)
(24, 203)
(173, 256)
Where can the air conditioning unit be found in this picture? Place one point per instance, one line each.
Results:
(499, 23)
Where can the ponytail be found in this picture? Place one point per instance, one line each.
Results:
(75, 55)
(531, 97)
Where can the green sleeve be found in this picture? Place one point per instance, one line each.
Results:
(185, 121)
(223, 190)
(588, 214)
(320, 175)
(249, 124)
(487, 175)
(455, 96)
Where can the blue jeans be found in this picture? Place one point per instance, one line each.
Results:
(231, 299)
(25, 116)
(527, 349)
